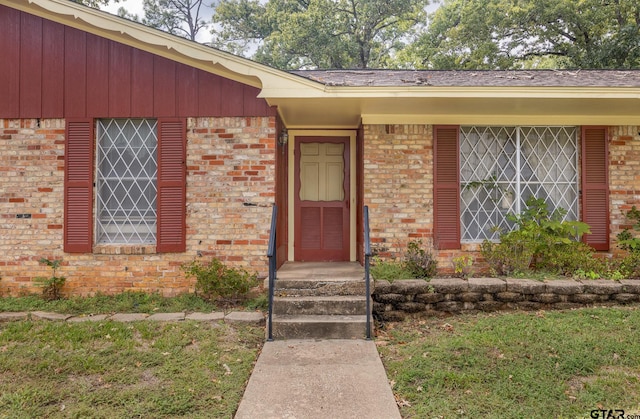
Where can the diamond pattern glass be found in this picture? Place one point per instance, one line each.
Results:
(501, 167)
(126, 181)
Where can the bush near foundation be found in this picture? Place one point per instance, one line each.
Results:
(542, 241)
(630, 264)
(215, 280)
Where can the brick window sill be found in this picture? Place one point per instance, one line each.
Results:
(124, 249)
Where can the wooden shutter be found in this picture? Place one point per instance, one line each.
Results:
(595, 186)
(446, 197)
(171, 200)
(78, 186)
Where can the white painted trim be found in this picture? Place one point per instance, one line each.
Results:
(352, 187)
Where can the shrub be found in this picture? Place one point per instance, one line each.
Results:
(215, 280)
(52, 286)
(626, 241)
(511, 256)
(389, 269)
(462, 266)
(541, 240)
(630, 264)
(420, 262)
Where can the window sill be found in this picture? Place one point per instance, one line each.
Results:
(125, 249)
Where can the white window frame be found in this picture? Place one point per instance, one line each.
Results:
(121, 217)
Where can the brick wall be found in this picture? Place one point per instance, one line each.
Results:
(398, 185)
(398, 165)
(624, 177)
(230, 180)
(398, 188)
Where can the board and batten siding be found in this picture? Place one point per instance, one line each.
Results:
(51, 70)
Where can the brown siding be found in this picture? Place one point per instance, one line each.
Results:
(142, 94)
(54, 71)
(31, 65)
(119, 80)
(98, 75)
(75, 73)
(9, 71)
(53, 62)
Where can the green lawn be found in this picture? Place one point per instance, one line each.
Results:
(561, 364)
(126, 302)
(124, 370)
(516, 365)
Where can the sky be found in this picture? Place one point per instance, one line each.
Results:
(132, 6)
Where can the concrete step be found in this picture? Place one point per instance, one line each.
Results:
(319, 287)
(331, 305)
(319, 327)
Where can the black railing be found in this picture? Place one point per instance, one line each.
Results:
(367, 269)
(273, 265)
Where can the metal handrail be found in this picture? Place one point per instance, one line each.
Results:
(367, 269)
(273, 261)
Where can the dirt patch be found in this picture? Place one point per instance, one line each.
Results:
(577, 383)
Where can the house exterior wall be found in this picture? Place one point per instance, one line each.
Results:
(398, 187)
(624, 177)
(230, 190)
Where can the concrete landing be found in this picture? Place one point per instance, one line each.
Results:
(308, 379)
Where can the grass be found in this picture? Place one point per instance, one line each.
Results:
(124, 370)
(515, 365)
(126, 302)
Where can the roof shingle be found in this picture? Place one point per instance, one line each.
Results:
(473, 78)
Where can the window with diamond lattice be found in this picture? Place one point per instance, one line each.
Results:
(501, 167)
(126, 181)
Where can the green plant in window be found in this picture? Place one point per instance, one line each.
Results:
(51, 286)
(496, 193)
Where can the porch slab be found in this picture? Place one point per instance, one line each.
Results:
(318, 379)
(325, 271)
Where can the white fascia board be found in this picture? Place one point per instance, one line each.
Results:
(470, 92)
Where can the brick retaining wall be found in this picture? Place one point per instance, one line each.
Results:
(393, 301)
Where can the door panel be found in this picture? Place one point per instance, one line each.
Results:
(321, 199)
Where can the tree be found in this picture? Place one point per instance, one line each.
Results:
(318, 33)
(491, 34)
(183, 18)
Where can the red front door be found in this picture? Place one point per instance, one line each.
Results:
(321, 199)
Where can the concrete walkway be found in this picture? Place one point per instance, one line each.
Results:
(309, 379)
